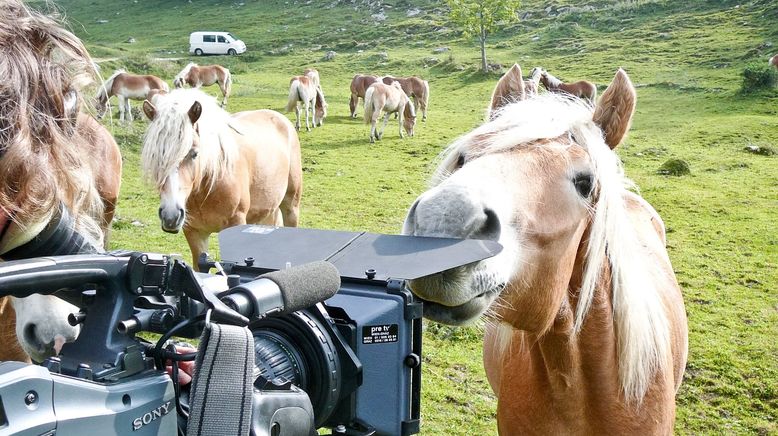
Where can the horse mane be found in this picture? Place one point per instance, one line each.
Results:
(552, 81)
(640, 322)
(170, 136)
(535, 74)
(102, 92)
(185, 71)
(41, 153)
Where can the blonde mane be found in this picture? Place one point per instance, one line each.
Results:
(102, 92)
(641, 326)
(552, 81)
(171, 134)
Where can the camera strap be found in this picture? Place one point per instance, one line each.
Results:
(222, 389)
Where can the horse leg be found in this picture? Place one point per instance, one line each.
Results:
(297, 114)
(129, 110)
(386, 120)
(352, 105)
(198, 243)
(307, 108)
(121, 107)
(400, 114)
(372, 129)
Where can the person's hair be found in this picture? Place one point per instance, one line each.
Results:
(43, 67)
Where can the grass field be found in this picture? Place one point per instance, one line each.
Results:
(686, 59)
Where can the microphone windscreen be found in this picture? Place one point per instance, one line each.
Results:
(305, 285)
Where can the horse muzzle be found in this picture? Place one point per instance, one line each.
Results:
(172, 221)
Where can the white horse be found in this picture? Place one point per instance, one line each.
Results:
(304, 89)
(389, 99)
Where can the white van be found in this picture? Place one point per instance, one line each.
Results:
(201, 43)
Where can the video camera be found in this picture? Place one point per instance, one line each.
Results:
(337, 344)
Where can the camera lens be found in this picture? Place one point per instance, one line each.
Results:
(299, 348)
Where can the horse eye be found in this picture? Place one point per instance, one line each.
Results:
(461, 161)
(192, 154)
(584, 184)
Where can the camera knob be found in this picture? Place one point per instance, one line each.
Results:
(161, 320)
(412, 360)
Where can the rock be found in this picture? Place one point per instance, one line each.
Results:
(130, 40)
(413, 12)
(760, 150)
(383, 56)
(330, 55)
(536, 38)
(102, 21)
(381, 16)
(441, 50)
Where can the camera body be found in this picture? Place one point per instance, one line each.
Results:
(351, 363)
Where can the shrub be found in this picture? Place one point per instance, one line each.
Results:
(758, 76)
(675, 167)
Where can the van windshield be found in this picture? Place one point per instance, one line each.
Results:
(232, 37)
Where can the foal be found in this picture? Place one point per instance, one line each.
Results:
(389, 99)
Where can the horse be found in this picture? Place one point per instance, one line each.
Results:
(416, 88)
(585, 328)
(581, 89)
(46, 164)
(215, 170)
(389, 99)
(126, 87)
(304, 89)
(359, 85)
(205, 75)
(773, 62)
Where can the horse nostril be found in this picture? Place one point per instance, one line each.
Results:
(180, 214)
(159, 213)
(31, 334)
(490, 228)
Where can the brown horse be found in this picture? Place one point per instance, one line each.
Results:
(580, 89)
(304, 89)
(205, 75)
(215, 170)
(359, 85)
(773, 62)
(321, 107)
(126, 87)
(389, 99)
(416, 88)
(46, 161)
(586, 329)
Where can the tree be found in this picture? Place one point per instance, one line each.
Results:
(480, 17)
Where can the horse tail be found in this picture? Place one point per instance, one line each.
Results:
(227, 82)
(426, 97)
(294, 95)
(369, 105)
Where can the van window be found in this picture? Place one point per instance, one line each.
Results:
(232, 37)
(209, 38)
(221, 39)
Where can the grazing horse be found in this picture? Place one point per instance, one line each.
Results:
(359, 85)
(304, 89)
(205, 75)
(215, 170)
(416, 88)
(126, 87)
(47, 164)
(773, 62)
(389, 99)
(586, 330)
(580, 89)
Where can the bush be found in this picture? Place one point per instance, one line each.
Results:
(675, 167)
(758, 76)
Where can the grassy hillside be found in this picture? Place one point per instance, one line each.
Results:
(686, 59)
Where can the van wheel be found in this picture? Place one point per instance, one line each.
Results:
(232, 52)
(198, 52)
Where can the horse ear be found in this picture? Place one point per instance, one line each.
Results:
(195, 111)
(509, 89)
(149, 109)
(615, 109)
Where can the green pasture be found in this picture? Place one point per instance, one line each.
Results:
(686, 59)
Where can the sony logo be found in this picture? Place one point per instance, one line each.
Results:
(150, 417)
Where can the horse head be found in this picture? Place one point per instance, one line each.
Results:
(529, 178)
